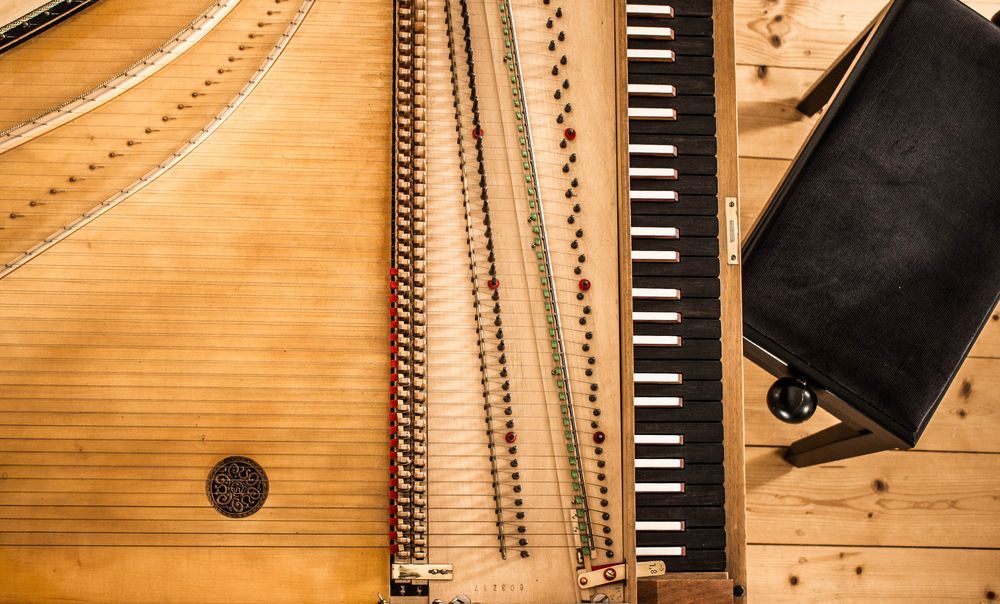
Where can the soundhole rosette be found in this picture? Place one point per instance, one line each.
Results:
(237, 487)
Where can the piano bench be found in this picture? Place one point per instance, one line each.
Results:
(876, 263)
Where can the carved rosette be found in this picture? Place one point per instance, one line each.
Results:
(237, 487)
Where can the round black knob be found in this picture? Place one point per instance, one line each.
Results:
(791, 401)
(996, 19)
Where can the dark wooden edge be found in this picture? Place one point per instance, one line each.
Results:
(731, 299)
(625, 300)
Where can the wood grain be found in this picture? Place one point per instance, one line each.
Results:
(796, 573)
(688, 588)
(84, 50)
(731, 294)
(221, 310)
(806, 33)
(923, 499)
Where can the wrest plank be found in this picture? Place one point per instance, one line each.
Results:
(922, 499)
(793, 573)
(968, 419)
(759, 177)
(807, 33)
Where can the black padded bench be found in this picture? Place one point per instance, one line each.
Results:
(877, 261)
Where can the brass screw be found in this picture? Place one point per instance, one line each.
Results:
(610, 574)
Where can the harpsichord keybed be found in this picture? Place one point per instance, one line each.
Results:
(685, 285)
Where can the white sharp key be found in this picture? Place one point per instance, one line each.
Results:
(658, 401)
(655, 232)
(662, 525)
(656, 293)
(657, 378)
(654, 173)
(650, 33)
(659, 150)
(652, 113)
(659, 439)
(655, 256)
(650, 54)
(656, 340)
(659, 487)
(653, 195)
(652, 89)
(669, 464)
(656, 317)
(650, 10)
(659, 551)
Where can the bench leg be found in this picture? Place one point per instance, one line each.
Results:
(833, 443)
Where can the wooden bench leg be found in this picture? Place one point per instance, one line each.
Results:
(833, 443)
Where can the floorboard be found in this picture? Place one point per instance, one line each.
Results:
(887, 575)
(915, 526)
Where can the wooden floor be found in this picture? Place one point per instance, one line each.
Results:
(916, 526)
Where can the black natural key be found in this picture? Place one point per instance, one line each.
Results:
(682, 8)
(684, 46)
(689, 452)
(701, 125)
(683, 84)
(690, 66)
(689, 308)
(696, 266)
(686, 144)
(698, 560)
(691, 474)
(689, 226)
(694, 495)
(699, 287)
(688, 328)
(701, 165)
(693, 517)
(683, 26)
(690, 349)
(693, 432)
(684, 185)
(692, 370)
(689, 205)
(695, 390)
(700, 411)
(692, 539)
(686, 246)
(688, 104)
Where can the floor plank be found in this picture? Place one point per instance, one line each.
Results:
(921, 499)
(806, 33)
(770, 126)
(794, 573)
